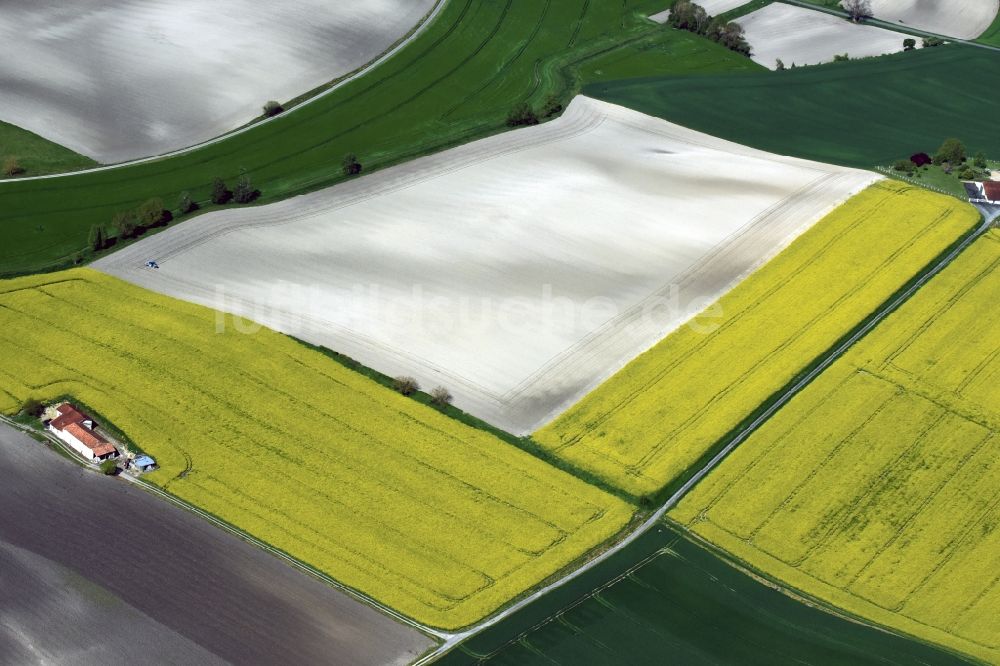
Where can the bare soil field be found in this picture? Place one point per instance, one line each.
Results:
(121, 79)
(713, 7)
(518, 271)
(96, 571)
(810, 37)
(964, 19)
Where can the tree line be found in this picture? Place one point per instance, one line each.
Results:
(692, 17)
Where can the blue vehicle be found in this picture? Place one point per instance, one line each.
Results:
(152, 264)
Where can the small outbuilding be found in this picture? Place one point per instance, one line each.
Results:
(77, 429)
(144, 463)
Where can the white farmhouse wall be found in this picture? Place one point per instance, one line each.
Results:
(77, 445)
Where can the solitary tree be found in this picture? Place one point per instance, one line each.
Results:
(185, 204)
(11, 167)
(909, 44)
(406, 385)
(980, 161)
(352, 167)
(125, 224)
(779, 65)
(220, 193)
(952, 150)
(858, 10)
(272, 108)
(32, 407)
(244, 192)
(97, 240)
(109, 467)
(151, 212)
(441, 396)
(522, 115)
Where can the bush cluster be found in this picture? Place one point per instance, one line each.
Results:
(692, 17)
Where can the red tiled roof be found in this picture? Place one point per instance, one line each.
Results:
(95, 443)
(67, 414)
(992, 189)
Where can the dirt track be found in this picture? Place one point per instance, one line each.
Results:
(93, 570)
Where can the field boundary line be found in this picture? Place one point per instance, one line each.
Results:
(244, 536)
(828, 359)
(349, 78)
(296, 563)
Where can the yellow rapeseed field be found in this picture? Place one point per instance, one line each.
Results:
(877, 488)
(442, 522)
(658, 416)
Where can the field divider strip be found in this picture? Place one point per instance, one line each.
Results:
(825, 361)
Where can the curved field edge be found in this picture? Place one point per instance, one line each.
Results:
(881, 477)
(392, 113)
(656, 419)
(36, 155)
(861, 113)
(434, 519)
(659, 601)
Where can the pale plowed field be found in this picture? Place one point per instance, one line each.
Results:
(121, 79)
(518, 271)
(800, 36)
(964, 19)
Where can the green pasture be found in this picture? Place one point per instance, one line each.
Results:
(992, 34)
(861, 113)
(457, 81)
(37, 156)
(665, 599)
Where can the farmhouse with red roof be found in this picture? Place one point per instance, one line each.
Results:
(77, 429)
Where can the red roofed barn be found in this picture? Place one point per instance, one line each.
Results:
(77, 429)
(992, 190)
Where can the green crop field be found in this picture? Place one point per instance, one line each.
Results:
(35, 155)
(670, 600)
(456, 81)
(860, 113)
(666, 52)
(663, 413)
(878, 487)
(992, 34)
(440, 521)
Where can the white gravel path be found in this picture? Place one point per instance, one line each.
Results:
(124, 79)
(520, 270)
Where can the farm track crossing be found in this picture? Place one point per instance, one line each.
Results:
(876, 490)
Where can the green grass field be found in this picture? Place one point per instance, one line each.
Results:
(670, 600)
(455, 82)
(37, 156)
(666, 52)
(659, 417)
(992, 34)
(878, 487)
(862, 113)
(443, 522)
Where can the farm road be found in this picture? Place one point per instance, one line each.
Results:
(990, 214)
(891, 26)
(94, 570)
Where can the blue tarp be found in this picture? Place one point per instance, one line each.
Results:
(144, 461)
